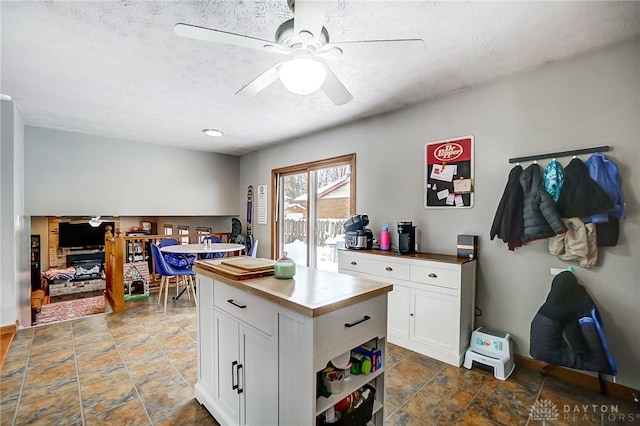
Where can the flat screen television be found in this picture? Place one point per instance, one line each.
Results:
(82, 234)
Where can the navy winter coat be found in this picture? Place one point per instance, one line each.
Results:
(567, 329)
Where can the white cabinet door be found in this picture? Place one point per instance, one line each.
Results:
(206, 335)
(398, 313)
(435, 319)
(228, 359)
(259, 378)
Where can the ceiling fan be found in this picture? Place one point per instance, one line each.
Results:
(95, 221)
(305, 41)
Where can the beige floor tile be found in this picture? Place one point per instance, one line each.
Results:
(131, 413)
(162, 404)
(136, 351)
(435, 409)
(10, 386)
(412, 373)
(53, 352)
(12, 367)
(42, 374)
(8, 410)
(94, 360)
(401, 418)
(54, 404)
(397, 390)
(564, 411)
(106, 388)
(499, 410)
(93, 342)
(191, 413)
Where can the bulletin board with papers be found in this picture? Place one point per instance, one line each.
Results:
(448, 173)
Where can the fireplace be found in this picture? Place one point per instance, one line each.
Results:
(89, 266)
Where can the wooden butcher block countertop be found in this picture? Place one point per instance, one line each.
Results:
(311, 292)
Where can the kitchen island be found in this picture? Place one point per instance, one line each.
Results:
(263, 341)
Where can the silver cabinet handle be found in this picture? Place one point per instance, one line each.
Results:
(353, 262)
(388, 268)
(432, 275)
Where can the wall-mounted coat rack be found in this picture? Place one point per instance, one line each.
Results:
(560, 154)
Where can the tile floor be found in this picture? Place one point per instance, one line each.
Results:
(138, 368)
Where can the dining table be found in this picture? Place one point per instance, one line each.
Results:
(201, 248)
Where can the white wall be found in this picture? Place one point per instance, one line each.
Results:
(583, 102)
(14, 225)
(74, 174)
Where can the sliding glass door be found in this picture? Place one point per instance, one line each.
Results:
(293, 221)
(312, 201)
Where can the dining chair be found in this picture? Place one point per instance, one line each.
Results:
(213, 239)
(178, 260)
(254, 249)
(166, 271)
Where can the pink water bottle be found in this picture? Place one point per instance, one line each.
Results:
(384, 237)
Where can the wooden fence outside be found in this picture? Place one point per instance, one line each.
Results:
(296, 229)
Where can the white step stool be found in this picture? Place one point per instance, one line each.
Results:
(492, 348)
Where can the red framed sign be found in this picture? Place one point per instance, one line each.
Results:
(448, 173)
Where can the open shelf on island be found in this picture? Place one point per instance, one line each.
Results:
(377, 406)
(352, 384)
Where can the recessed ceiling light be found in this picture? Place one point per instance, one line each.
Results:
(5, 97)
(214, 133)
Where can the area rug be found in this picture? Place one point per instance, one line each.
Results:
(70, 309)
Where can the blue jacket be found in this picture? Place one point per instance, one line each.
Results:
(605, 172)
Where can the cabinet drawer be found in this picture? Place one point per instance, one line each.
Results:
(440, 277)
(251, 309)
(351, 262)
(349, 326)
(386, 269)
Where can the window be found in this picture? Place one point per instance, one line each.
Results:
(168, 229)
(202, 232)
(183, 230)
(311, 202)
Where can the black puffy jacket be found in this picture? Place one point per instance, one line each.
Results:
(508, 224)
(567, 329)
(541, 217)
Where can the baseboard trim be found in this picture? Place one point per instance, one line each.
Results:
(11, 328)
(578, 378)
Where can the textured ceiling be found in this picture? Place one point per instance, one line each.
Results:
(117, 69)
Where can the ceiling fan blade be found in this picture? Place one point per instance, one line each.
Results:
(335, 90)
(260, 82)
(309, 16)
(216, 36)
(380, 49)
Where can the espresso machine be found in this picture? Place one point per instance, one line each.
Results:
(406, 237)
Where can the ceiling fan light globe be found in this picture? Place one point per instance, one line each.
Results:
(302, 76)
